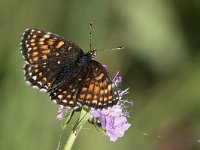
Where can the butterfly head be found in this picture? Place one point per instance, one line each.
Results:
(86, 57)
(92, 53)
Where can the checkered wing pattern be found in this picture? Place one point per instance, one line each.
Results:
(92, 87)
(45, 55)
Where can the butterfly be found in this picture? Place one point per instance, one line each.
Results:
(71, 77)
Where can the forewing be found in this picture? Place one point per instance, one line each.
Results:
(45, 55)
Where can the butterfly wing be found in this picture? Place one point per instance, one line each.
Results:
(66, 93)
(98, 90)
(45, 55)
(92, 86)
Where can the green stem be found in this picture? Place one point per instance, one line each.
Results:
(71, 140)
(84, 116)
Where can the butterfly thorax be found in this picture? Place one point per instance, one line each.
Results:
(85, 58)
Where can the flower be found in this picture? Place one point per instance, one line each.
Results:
(64, 113)
(117, 79)
(60, 112)
(113, 120)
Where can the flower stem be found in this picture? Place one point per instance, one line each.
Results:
(84, 116)
(70, 140)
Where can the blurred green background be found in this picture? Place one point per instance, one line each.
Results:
(160, 64)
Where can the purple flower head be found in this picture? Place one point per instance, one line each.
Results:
(123, 92)
(63, 112)
(60, 112)
(112, 120)
(117, 79)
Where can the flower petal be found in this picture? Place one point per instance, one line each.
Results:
(113, 121)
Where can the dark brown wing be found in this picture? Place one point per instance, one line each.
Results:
(45, 55)
(92, 86)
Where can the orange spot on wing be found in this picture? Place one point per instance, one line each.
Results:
(99, 77)
(65, 92)
(106, 91)
(51, 41)
(101, 92)
(94, 101)
(46, 36)
(36, 70)
(84, 89)
(101, 84)
(46, 51)
(82, 96)
(91, 87)
(35, 59)
(105, 82)
(34, 48)
(69, 96)
(60, 44)
(35, 53)
(105, 98)
(32, 40)
(96, 69)
(32, 44)
(96, 89)
(109, 87)
(44, 56)
(41, 43)
(95, 97)
(89, 96)
(42, 39)
(44, 46)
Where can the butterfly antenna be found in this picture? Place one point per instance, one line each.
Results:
(90, 35)
(112, 49)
